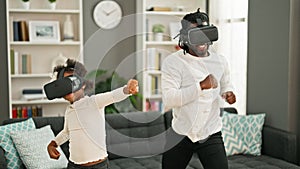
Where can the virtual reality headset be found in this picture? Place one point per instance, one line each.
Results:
(63, 86)
(202, 35)
(199, 35)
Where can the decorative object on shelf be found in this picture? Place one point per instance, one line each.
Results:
(68, 29)
(107, 14)
(26, 4)
(52, 4)
(174, 30)
(59, 60)
(158, 30)
(44, 31)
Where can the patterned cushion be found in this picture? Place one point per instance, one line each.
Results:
(11, 154)
(248, 129)
(32, 147)
(233, 145)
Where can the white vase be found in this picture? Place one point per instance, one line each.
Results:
(158, 36)
(52, 5)
(26, 5)
(68, 33)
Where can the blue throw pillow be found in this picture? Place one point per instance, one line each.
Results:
(11, 154)
(233, 145)
(248, 129)
(32, 147)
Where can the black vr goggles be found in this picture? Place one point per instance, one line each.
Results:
(204, 33)
(63, 86)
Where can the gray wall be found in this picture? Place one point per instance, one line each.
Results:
(3, 64)
(273, 63)
(106, 49)
(111, 49)
(270, 62)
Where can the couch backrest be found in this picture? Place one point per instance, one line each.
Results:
(135, 134)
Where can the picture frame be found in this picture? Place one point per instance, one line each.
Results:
(44, 31)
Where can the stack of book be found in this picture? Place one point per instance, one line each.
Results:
(159, 8)
(33, 94)
(27, 111)
(154, 59)
(154, 105)
(20, 31)
(20, 63)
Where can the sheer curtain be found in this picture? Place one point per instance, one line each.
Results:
(230, 16)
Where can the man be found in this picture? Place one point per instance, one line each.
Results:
(194, 81)
(84, 124)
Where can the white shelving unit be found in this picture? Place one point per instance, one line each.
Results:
(42, 54)
(152, 51)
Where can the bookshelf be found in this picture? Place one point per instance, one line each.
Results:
(168, 13)
(43, 52)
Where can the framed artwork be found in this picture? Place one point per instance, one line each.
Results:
(44, 31)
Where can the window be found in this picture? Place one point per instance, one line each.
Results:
(231, 17)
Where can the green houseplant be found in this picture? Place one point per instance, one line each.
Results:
(158, 30)
(52, 1)
(105, 82)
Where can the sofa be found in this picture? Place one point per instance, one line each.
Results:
(133, 141)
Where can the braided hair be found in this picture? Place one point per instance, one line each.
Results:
(77, 68)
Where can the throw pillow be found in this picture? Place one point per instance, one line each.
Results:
(11, 154)
(233, 145)
(248, 129)
(32, 147)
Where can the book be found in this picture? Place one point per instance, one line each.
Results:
(30, 97)
(19, 112)
(25, 64)
(12, 61)
(34, 111)
(28, 64)
(14, 112)
(16, 62)
(24, 112)
(29, 111)
(39, 110)
(16, 31)
(151, 53)
(32, 91)
(23, 31)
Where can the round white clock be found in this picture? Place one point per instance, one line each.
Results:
(107, 14)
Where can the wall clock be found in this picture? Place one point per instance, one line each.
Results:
(107, 14)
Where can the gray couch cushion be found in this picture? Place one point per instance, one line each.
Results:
(3, 162)
(134, 134)
(262, 162)
(234, 162)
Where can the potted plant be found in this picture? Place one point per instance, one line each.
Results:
(158, 30)
(26, 4)
(52, 4)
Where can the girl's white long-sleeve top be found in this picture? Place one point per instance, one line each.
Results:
(84, 127)
(196, 112)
